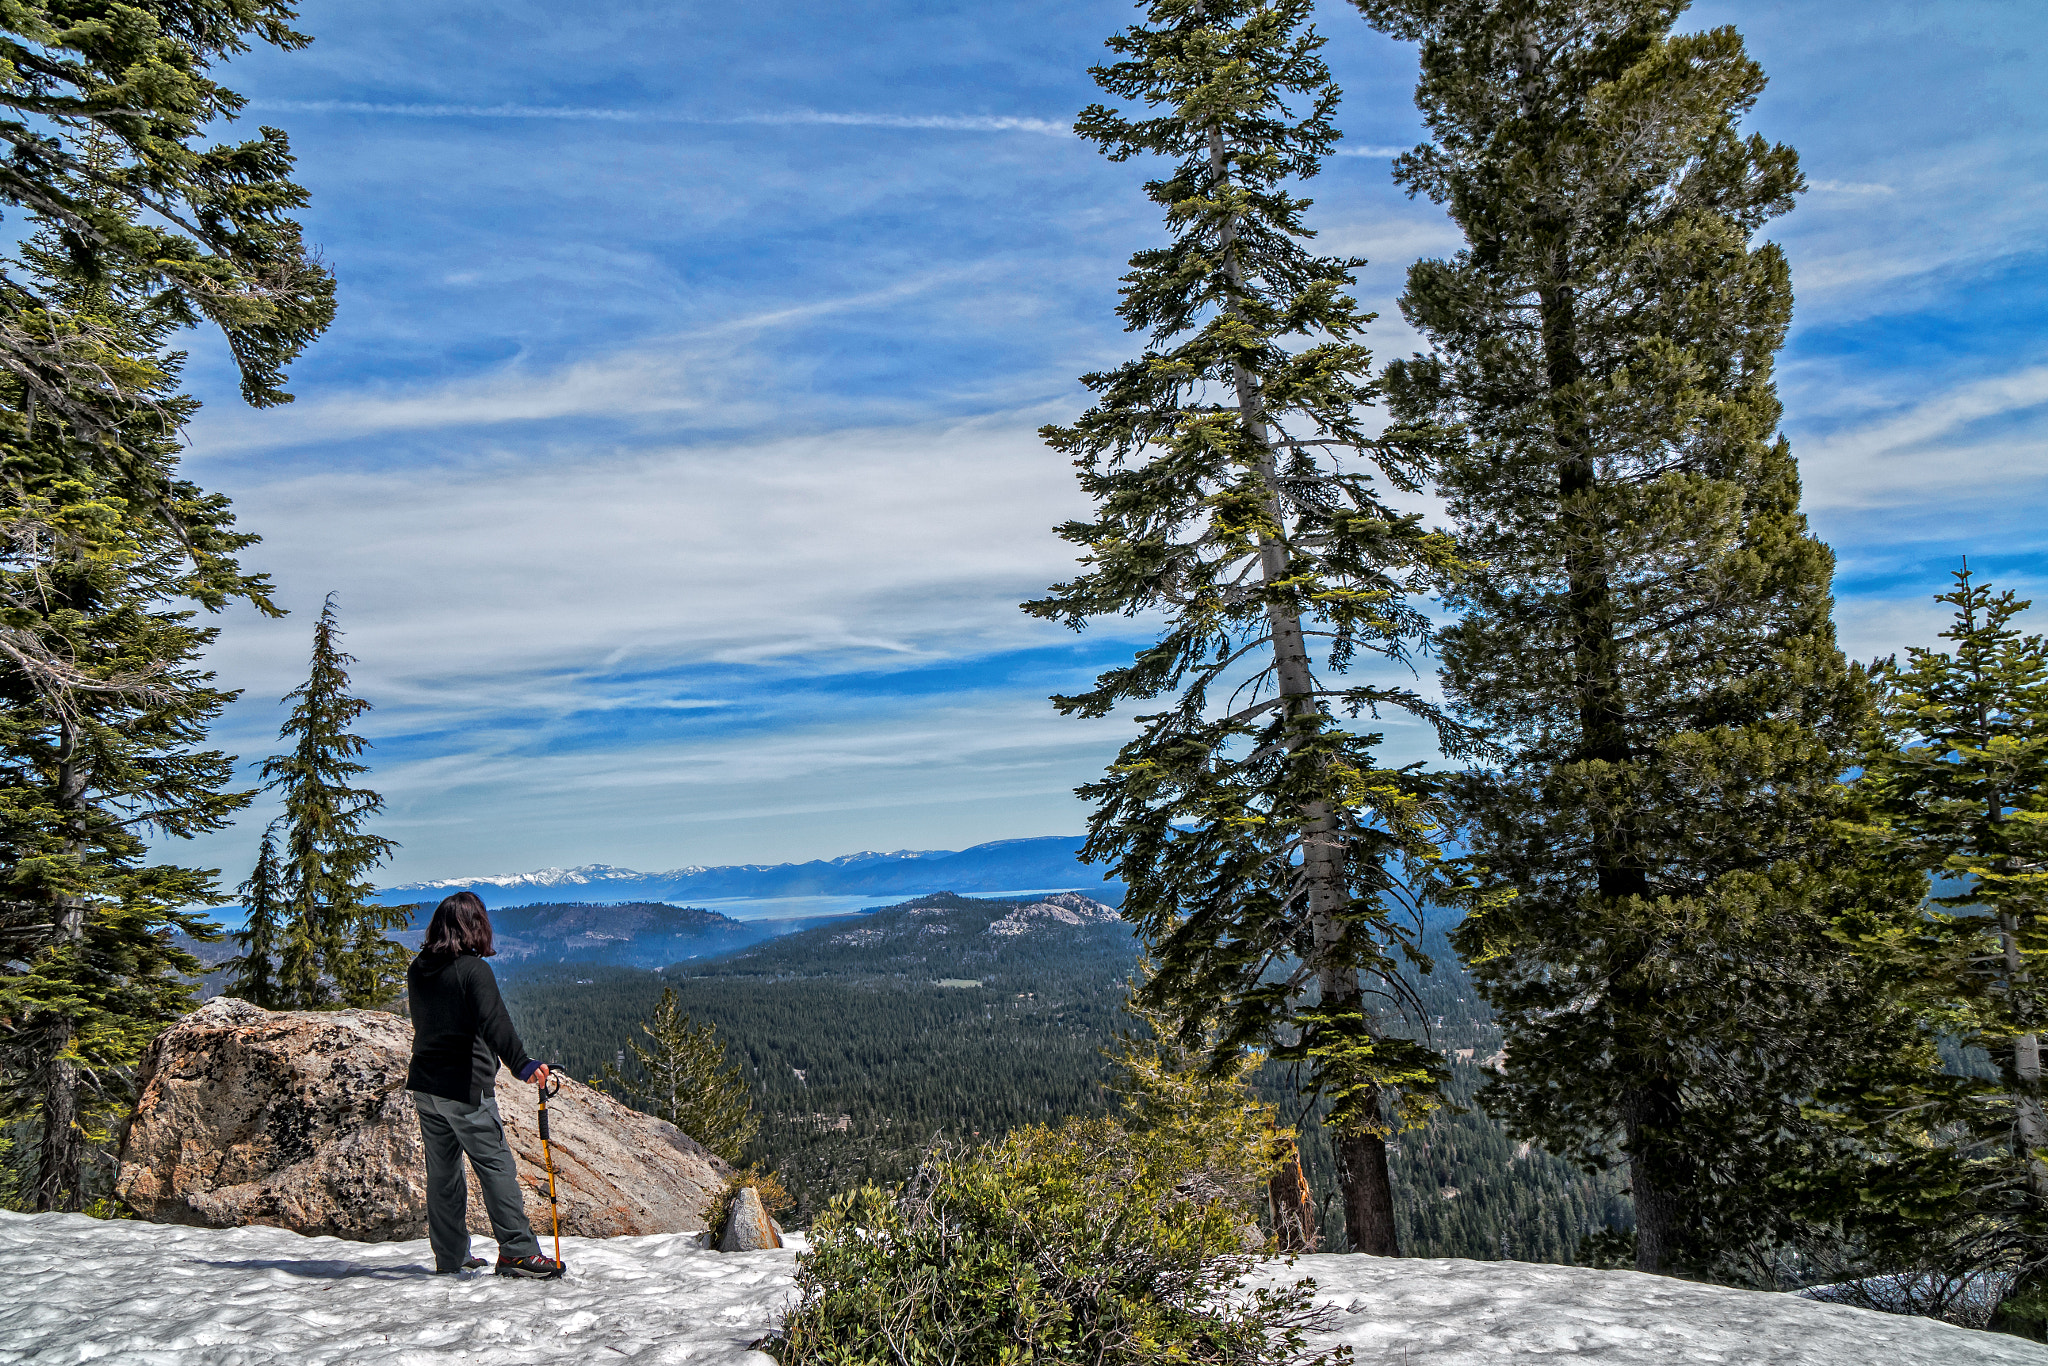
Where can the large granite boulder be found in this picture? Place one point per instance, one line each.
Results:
(301, 1120)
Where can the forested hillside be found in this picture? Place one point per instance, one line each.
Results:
(858, 1058)
(632, 932)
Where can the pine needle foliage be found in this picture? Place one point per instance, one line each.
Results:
(309, 897)
(1647, 629)
(105, 107)
(683, 1077)
(1171, 1092)
(103, 716)
(1239, 497)
(1955, 787)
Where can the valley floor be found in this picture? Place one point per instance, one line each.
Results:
(86, 1290)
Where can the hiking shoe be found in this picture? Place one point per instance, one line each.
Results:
(473, 1264)
(534, 1268)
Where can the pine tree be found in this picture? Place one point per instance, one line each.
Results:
(1648, 626)
(252, 971)
(329, 940)
(103, 715)
(105, 106)
(1261, 842)
(1955, 786)
(683, 1078)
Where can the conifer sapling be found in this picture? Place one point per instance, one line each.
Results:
(683, 1078)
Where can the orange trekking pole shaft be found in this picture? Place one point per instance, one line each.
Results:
(547, 1157)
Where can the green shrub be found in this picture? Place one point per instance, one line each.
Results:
(1084, 1243)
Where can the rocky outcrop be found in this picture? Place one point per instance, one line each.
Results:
(1067, 908)
(301, 1120)
(747, 1226)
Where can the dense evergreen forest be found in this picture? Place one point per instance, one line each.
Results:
(859, 1059)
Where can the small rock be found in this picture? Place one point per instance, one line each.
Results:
(748, 1227)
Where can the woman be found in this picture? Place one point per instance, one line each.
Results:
(459, 1032)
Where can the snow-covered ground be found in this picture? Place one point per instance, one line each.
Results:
(149, 1295)
(1400, 1312)
(156, 1295)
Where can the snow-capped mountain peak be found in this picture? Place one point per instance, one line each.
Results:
(1002, 866)
(541, 877)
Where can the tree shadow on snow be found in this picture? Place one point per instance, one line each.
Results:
(324, 1270)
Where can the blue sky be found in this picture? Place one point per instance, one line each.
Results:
(673, 457)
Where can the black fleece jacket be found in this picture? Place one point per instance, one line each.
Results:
(459, 1028)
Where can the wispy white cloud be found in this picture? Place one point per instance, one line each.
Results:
(1850, 187)
(796, 118)
(633, 383)
(968, 769)
(522, 584)
(1872, 242)
(677, 375)
(952, 123)
(1934, 445)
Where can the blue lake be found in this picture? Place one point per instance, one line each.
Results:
(810, 907)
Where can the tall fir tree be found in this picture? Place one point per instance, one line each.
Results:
(1955, 787)
(1262, 843)
(330, 946)
(103, 717)
(1648, 626)
(143, 227)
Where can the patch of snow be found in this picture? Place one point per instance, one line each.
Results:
(1447, 1312)
(154, 1295)
(586, 874)
(876, 856)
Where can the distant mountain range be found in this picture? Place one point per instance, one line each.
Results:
(645, 934)
(1002, 866)
(955, 940)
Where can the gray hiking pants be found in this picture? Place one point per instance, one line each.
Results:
(451, 1128)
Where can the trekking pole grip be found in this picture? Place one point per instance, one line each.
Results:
(548, 1090)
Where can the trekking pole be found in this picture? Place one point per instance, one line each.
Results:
(554, 1084)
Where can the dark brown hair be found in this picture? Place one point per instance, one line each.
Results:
(460, 925)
